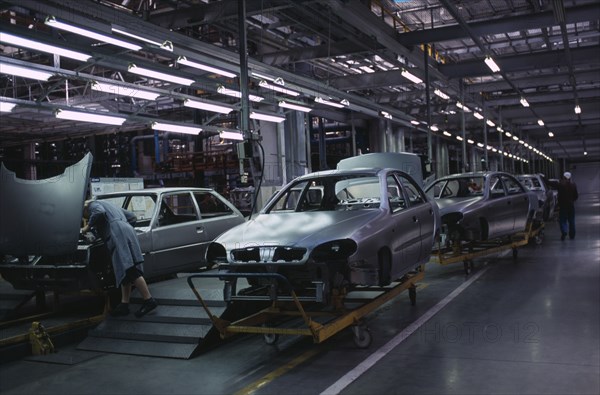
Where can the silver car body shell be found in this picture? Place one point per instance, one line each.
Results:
(180, 246)
(545, 195)
(485, 217)
(408, 235)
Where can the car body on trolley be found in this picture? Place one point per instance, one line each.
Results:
(335, 229)
(482, 205)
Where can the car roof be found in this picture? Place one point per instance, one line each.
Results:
(472, 174)
(529, 175)
(156, 191)
(325, 173)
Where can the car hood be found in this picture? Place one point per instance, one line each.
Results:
(451, 205)
(42, 217)
(297, 229)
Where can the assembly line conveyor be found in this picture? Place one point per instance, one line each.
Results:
(299, 317)
(467, 251)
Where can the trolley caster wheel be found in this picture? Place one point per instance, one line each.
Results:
(468, 265)
(271, 338)
(362, 336)
(515, 253)
(412, 295)
(539, 238)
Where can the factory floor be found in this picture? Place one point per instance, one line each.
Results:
(529, 325)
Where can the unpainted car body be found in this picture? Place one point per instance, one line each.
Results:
(336, 229)
(546, 196)
(482, 205)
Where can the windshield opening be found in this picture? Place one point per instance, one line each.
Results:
(463, 187)
(328, 194)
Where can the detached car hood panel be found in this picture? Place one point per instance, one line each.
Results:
(299, 229)
(451, 205)
(42, 217)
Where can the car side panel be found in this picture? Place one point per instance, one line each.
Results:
(178, 247)
(407, 235)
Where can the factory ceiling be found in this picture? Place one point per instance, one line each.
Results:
(353, 52)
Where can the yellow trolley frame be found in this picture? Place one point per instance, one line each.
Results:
(466, 252)
(337, 318)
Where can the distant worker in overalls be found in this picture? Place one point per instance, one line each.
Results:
(567, 195)
(115, 226)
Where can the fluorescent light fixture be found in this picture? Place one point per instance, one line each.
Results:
(415, 122)
(277, 88)
(6, 68)
(507, 134)
(51, 49)
(124, 91)
(89, 117)
(293, 106)
(263, 76)
(6, 106)
(184, 61)
(385, 114)
(491, 64)
(231, 135)
(490, 123)
(459, 138)
(447, 133)
(158, 75)
(577, 109)
(477, 115)
(462, 107)
(515, 138)
(207, 106)
(434, 128)
(266, 117)
(550, 134)
(230, 92)
(406, 74)
(169, 127)
(51, 21)
(480, 145)
(524, 102)
(166, 45)
(470, 141)
(441, 94)
(540, 122)
(319, 99)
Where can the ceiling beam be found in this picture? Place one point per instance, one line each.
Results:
(500, 25)
(526, 62)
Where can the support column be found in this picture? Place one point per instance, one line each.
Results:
(462, 126)
(400, 144)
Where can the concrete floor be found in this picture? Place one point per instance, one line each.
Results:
(524, 326)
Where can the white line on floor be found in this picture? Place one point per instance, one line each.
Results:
(355, 373)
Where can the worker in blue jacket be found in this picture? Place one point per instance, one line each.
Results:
(115, 226)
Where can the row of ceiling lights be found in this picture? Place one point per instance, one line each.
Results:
(277, 85)
(495, 68)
